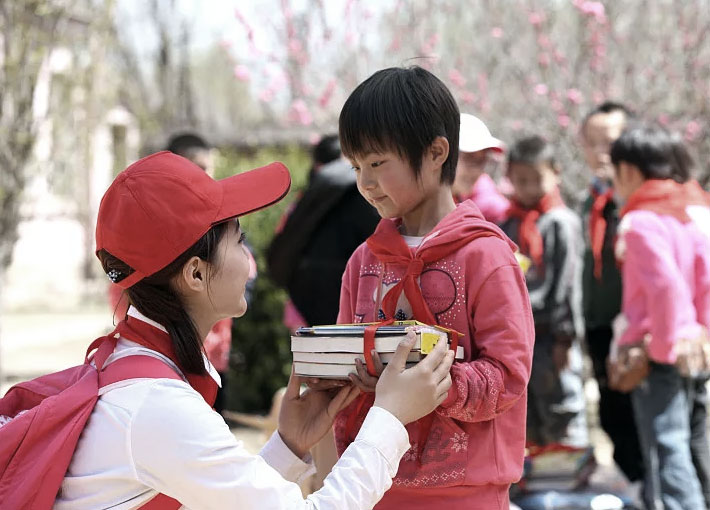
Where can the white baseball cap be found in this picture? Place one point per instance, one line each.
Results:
(475, 136)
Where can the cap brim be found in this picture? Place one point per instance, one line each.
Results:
(479, 145)
(253, 190)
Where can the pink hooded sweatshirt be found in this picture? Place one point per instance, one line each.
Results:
(485, 194)
(475, 446)
(666, 275)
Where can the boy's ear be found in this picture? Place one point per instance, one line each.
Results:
(439, 151)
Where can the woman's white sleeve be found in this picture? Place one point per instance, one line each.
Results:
(182, 448)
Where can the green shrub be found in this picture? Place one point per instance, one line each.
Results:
(260, 362)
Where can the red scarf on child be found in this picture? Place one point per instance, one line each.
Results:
(389, 247)
(153, 338)
(667, 197)
(529, 237)
(597, 227)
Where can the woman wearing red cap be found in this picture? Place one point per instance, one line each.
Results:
(167, 233)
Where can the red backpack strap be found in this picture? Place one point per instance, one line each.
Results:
(161, 502)
(136, 367)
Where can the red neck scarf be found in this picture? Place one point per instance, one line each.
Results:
(597, 227)
(153, 338)
(389, 247)
(529, 237)
(667, 197)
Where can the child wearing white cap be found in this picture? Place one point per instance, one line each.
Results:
(472, 182)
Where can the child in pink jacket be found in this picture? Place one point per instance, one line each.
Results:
(436, 262)
(665, 251)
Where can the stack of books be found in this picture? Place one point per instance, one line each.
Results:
(330, 351)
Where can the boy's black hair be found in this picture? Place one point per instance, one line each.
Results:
(654, 151)
(185, 144)
(532, 150)
(607, 107)
(327, 150)
(401, 110)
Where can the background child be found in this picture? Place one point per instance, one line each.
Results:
(549, 234)
(476, 152)
(601, 279)
(666, 298)
(438, 263)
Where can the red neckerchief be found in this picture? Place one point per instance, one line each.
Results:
(153, 338)
(597, 227)
(667, 197)
(529, 237)
(387, 244)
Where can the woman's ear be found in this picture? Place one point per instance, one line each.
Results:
(192, 278)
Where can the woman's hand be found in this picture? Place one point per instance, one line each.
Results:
(306, 417)
(410, 393)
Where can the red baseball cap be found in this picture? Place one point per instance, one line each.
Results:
(162, 204)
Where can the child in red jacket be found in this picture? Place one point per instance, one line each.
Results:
(436, 262)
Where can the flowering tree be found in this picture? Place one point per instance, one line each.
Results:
(524, 66)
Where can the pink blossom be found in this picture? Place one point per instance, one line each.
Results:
(543, 59)
(575, 96)
(225, 44)
(314, 138)
(241, 72)
(663, 119)
(598, 96)
(536, 18)
(327, 94)
(457, 78)
(559, 57)
(543, 41)
(295, 46)
(299, 113)
(516, 125)
(468, 97)
(434, 39)
(595, 9)
(496, 32)
(692, 130)
(563, 120)
(396, 44)
(557, 105)
(541, 89)
(266, 95)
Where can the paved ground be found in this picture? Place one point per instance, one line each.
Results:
(32, 344)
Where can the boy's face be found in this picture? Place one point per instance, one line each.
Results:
(387, 181)
(532, 182)
(598, 134)
(469, 168)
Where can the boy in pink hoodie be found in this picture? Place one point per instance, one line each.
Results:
(439, 263)
(664, 248)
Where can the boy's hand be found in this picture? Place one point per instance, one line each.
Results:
(364, 380)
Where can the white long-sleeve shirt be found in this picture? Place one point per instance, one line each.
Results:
(159, 435)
